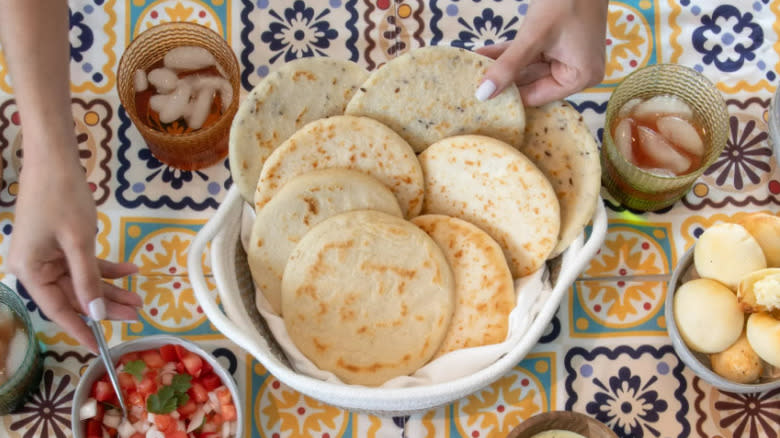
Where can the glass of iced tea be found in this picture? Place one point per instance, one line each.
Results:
(665, 125)
(21, 364)
(182, 105)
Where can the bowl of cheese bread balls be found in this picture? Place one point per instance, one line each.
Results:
(723, 304)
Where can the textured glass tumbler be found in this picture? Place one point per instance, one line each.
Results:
(28, 376)
(641, 190)
(186, 151)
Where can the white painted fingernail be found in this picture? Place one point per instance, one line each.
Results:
(485, 90)
(97, 309)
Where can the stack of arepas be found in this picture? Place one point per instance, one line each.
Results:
(732, 310)
(394, 210)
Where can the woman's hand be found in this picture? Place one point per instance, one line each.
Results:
(52, 249)
(53, 242)
(558, 51)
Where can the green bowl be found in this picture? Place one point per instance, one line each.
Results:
(14, 391)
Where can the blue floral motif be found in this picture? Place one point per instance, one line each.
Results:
(627, 406)
(728, 47)
(81, 33)
(171, 175)
(299, 33)
(485, 30)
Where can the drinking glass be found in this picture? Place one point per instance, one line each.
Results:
(201, 147)
(28, 376)
(646, 191)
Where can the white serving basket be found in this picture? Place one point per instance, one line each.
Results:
(238, 320)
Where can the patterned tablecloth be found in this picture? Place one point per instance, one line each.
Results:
(606, 351)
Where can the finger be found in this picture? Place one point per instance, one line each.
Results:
(56, 307)
(120, 312)
(121, 296)
(563, 81)
(532, 73)
(520, 53)
(544, 91)
(110, 269)
(85, 274)
(494, 50)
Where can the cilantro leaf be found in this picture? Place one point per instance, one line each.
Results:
(136, 368)
(170, 397)
(181, 382)
(182, 399)
(162, 402)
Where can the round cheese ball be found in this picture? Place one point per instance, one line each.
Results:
(738, 363)
(708, 315)
(763, 334)
(727, 252)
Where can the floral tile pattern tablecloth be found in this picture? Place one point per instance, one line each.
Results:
(605, 353)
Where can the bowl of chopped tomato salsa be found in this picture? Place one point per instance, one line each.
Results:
(172, 389)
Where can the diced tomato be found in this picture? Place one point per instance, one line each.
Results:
(210, 381)
(198, 393)
(147, 386)
(228, 412)
(103, 391)
(100, 410)
(94, 429)
(152, 359)
(129, 357)
(176, 434)
(180, 351)
(188, 408)
(126, 382)
(164, 423)
(207, 368)
(216, 420)
(168, 353)
(138, 435)
(192, 363)
(136, 399)
(223, 395)
(180, 367)
(111, 432)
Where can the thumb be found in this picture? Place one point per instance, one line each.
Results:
(85, 274)
(501, 74)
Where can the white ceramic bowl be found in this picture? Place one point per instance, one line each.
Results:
(96, 369)
(699, 363)
(774, 124)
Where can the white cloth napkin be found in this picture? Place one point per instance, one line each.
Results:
(532, 291)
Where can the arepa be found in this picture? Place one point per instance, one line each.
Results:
(367, 296)
(484, 290)
(357, 143)
(559, 143)
(292, 95)
(427, 94)
(302, 203)
(494, 186)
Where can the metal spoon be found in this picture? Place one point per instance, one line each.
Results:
(97, 330)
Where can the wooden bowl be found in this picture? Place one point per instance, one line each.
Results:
(562, 420)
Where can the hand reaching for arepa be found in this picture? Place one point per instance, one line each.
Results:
(559, 50)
